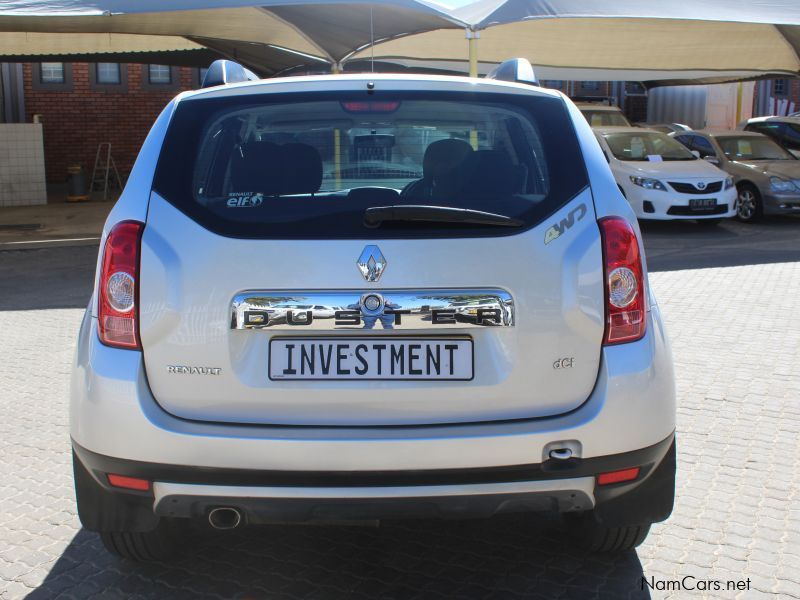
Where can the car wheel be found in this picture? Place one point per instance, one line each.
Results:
(748, 206)
(142, 546)
(597, 537)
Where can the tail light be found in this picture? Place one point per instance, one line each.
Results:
(119, 290)
(624, 281)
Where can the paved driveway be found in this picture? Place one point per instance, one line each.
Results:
(736, 341)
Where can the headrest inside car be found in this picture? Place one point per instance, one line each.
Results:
(270, 169)
(303, 169)
(491, 173)
(256, 167)
(443, 156)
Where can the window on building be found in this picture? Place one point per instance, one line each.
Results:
(634, 88)
(109, 74)
(159, 74)
(52, 72)
(780, 87)
(590, 85)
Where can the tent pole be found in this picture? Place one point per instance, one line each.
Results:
(739, 93)
(472, 36)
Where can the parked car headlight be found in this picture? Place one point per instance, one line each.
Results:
(779, 184)
(648, 184)
(728, 183)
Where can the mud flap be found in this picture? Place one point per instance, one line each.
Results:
(100, 509)
(649, 501)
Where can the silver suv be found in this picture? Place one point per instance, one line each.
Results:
(370, 297)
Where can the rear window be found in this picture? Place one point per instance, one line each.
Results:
(309, 165)
(605, 118)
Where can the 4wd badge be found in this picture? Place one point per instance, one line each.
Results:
(555, 230)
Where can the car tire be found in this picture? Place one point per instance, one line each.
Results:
(596, 537)
(159, 544)
(748, 205)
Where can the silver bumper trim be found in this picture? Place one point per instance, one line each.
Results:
(578, 485)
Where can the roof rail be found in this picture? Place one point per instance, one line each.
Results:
(516, 70)
(223, 72)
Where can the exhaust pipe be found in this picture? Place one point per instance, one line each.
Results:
(225, 517)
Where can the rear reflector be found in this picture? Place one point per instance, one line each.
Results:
(129, 483)
(117, 309)
(624, 281)
(618, 476)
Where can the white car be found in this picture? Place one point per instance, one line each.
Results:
(494, 344)
(662, 180)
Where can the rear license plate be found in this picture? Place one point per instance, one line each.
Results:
(703, 203)
(371, 358)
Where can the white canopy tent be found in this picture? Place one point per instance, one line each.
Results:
(268, 36)
(661, 42)
(679, 41)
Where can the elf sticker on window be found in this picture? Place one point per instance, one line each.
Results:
(244, 199)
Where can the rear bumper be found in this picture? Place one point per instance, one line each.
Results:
(113, 413)
(281, 496)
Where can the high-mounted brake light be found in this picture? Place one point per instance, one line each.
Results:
(371, 106)
(624, 282)
(117, 309)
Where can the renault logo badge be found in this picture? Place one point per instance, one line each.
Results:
(371, 263)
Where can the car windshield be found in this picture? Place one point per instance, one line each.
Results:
(290, 165)
(752, 147)
(605, 118)
(652, 146)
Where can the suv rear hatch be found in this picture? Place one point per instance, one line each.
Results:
(286, 229)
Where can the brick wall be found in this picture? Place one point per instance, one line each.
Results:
(77, 119)
(776, 97)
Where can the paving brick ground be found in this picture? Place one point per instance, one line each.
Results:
(736, 341)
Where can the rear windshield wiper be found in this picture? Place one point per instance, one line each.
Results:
(374, 216)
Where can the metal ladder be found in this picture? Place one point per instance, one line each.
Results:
(104, 171)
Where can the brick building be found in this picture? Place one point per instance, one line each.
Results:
(777, 97)
(81, 105)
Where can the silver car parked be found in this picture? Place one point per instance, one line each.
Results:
(364, 297)
(767, 176)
